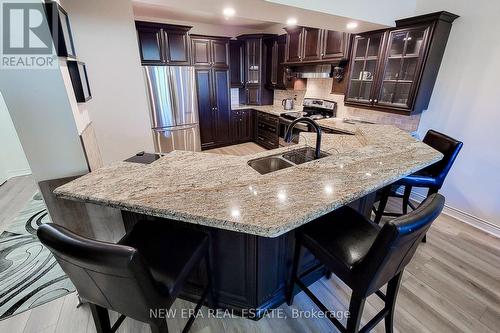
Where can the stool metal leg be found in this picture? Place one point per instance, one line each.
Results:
(383, 202)
(406, 199)
(355, 312)
(101, 318)
(390, 301)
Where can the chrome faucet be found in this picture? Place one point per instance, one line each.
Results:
(288, 134)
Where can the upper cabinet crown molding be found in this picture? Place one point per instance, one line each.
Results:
(395, 70)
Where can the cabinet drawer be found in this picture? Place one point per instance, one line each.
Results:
(266, 142)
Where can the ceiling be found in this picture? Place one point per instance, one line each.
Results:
(259, 15)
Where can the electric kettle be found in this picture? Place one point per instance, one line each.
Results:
(287, 103)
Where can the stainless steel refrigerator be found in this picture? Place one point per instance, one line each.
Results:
(174, 108)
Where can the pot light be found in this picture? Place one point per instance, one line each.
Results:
(228, 11)
(352, 25)
(291, 21)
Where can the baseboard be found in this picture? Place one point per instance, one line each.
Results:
(18, 172)
(464, 217)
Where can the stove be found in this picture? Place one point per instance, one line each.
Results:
(313, 108)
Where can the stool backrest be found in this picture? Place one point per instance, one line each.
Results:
(449, 147)
(396, 244)
(110, 275)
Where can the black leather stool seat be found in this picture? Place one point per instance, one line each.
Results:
(170, 253)
(340, 239)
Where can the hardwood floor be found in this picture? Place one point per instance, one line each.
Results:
(451, 285)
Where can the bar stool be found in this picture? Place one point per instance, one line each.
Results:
(365, 256)
(431, 177)
(143, 273)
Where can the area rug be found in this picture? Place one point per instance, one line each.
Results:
(29, 274)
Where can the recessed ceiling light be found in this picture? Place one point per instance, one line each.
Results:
(291, 21)
(352, 25)
(228, 11)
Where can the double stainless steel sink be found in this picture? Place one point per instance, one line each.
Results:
(284, 160)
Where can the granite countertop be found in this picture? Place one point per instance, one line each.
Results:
(271, 109)
(222, 191)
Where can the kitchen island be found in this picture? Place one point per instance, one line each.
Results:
(251, 217)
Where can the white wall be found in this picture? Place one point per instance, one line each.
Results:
(105, 39)
(12, 159)
(465, 104)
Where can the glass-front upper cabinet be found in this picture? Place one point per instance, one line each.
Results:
(363, 67)
(401, 67)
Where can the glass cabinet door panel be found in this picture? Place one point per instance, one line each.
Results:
(397, 44)
(402, 93)
(365, 91)
(387, 92)
(374, 46)
(392, 69)
(361, 45)
(370, 68)
(408, 69)
(354, 90)
(357, 69)
(414, 42)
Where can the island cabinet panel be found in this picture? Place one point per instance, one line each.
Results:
(249, 272)
(395, 70)
(163, 44)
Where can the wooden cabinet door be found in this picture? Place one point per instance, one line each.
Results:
(311, 44)
(294, 45)
(236, 63)
(206, 110)
(401, 67)
(253, 61)
(222, 105)
(335, 45)
(246, 127)
(253, 95)
(275, 69)
(150, 45)
(363, 68)
(177, 47)
(220, 53)
(200, 48)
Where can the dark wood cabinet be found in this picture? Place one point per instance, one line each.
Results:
(237, 63)
(243, 125)
(267, 130)
(312, 45)
(212, 86)
(335, 45)
(294, 44)
(276, 76)
(210, 51)
(163, 43)
(255, 91)
(395, 70)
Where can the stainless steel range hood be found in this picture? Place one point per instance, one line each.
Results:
(319, 71)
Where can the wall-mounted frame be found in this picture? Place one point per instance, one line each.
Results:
(60, 29)
(80, 81)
